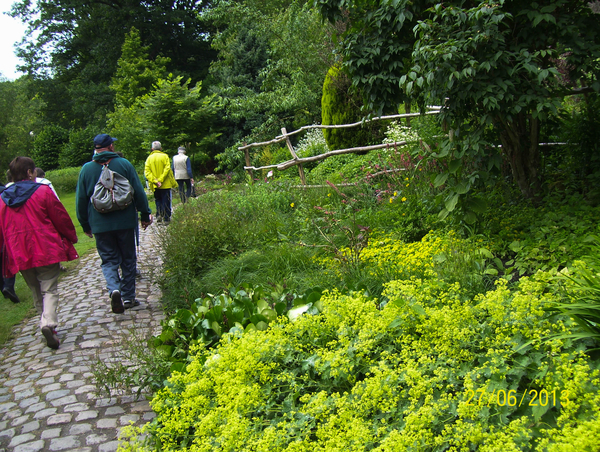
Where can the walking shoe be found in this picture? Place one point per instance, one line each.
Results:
(11, 295)
(128, 304)
(51, 337)
(116, 303)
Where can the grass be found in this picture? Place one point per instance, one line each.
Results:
(13, 314)
(84, 243)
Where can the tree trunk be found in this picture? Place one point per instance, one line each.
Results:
(520, 144)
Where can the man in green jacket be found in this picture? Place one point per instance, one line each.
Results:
(161, 180)
(114, 231)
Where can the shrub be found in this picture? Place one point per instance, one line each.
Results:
(583, 296)
(214, 226)
(527, 238)
(432, 368)
(247, 308)
(64, 180)
(283, 263)
(340, 169)
(311, 144)
(340, 105)
(78, 150)
(48, 145)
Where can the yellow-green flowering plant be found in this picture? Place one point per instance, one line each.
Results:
(433, 369)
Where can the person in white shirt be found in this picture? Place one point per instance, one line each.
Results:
(40, 178)
(182, 168)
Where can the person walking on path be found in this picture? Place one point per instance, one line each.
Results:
(182, 167)
(40, 178)
(36, 234)
(114, 231)
(161, 180)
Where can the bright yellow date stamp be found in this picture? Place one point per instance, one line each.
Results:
(531, 397)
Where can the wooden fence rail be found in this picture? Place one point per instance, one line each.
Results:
(297, 161)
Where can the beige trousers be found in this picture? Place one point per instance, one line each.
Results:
(43, 282)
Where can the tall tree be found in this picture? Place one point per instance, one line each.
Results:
(136, 73)
(74, 46)
(176, 114)
(20, 120)
(273, 57)
(495, 61)
(136, 76)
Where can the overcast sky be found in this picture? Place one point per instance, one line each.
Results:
(11, 31)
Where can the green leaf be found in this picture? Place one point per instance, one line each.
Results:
(440, 179)
(454, 165)
(262, 305)
(461, 188)
(319, 305)
(539, 410)
(313, 297)
(185, 316)
(477, 205)
(262, 326)
(216, 328)
(516, 246)
(166, 350)
(440, 258)
(487, 253)
(470, 217)
(417, 308)
(451, 202)
(270, 314)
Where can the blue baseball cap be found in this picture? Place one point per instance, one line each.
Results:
(103, 141)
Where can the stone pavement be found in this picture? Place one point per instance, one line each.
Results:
(48, 400)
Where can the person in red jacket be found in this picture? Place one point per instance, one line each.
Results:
(36, 234)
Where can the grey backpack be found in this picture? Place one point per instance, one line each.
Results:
(112, 191)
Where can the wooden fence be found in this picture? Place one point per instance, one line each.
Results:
(297, 161)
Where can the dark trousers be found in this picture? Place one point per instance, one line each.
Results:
(8, 283)
(162, 197)
(117, 249)
(184, 195)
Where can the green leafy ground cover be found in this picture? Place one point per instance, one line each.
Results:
(426, 334)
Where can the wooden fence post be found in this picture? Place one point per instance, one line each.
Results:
(247, 155)
(294, 156)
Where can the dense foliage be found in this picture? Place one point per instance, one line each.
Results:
(423, 372)
(72, 48)
(431, 335)
(19, 118)
(417, 299)
(493, 65)
(273, 57)
(341, 105)
(48, 145)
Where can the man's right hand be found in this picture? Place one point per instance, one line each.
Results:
(89, 234)
(158, 184)
(145, 224)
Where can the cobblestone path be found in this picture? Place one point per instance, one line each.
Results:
(48, 401)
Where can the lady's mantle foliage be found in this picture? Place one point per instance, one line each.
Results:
(364, 377)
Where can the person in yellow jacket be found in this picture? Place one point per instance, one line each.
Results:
(161, 180)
